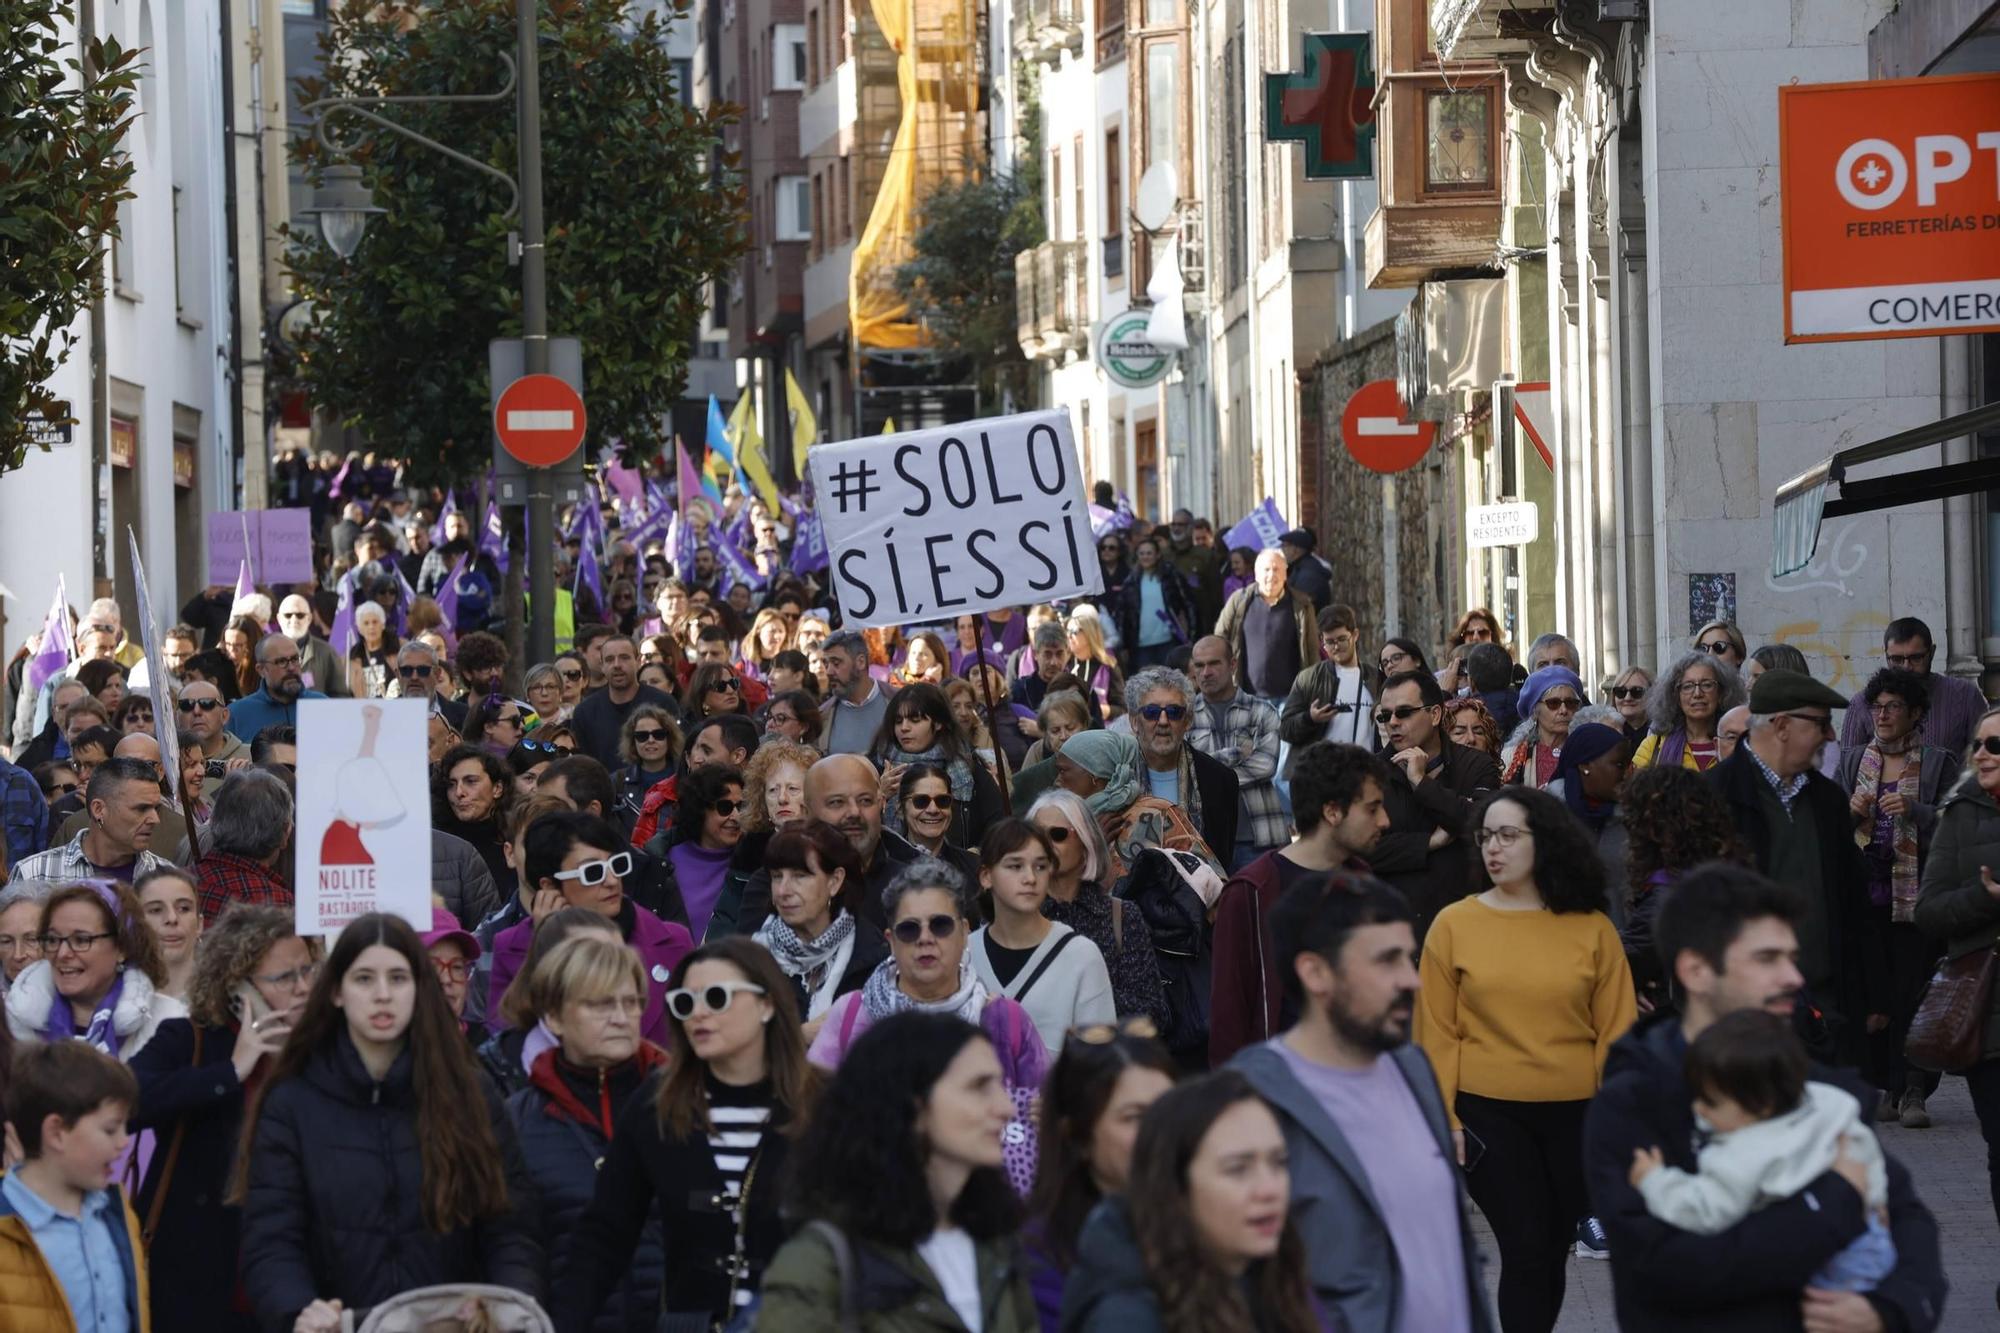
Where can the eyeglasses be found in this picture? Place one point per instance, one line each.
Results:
(647, 735)
(1990, 744)
(1562, 705)
(79, 942)
(911, 929)
(61, 788)
(571, 675)
(1103, 1034)
(1717, 646)
(202, 705)
(715, 999)
(414, 672)
(139, 715)
(1908, 661)
(1628, 691)
(592, 873)
(721, 683)
(1885, 706)
(18, 944)
(1506, 835)
(727, 807)
(1172, 712)
(604, 1006)
(452, 969)
(1698, 687)
(506, 719)
(284, 663)
(924, 801)
(1401, 713)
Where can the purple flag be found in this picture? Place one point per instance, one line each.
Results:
(342, 635)
(808, 543)
(1125, 518)
(1259, 531)
(624, 481)
(405, 595)
(657, 524)
(739, 569)
(1102, 520)
(447, 594)
(588, 573)
(493, 537)
(244, 587)
(450, 507)
(54, 656)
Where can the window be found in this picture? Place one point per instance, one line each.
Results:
(1458, 140)
(812, 49)
(819, 230)
(1114, 206)
(1145, 466)
(1055, 195)
(788, 58)
(845, 202)
(179, 300)
(684, 80)
(1236, 223)
(1076, 174)
(1162, 64)
(794, 208)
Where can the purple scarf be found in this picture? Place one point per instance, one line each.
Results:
(102, 1033)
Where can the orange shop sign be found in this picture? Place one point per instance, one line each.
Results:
(1891, 194)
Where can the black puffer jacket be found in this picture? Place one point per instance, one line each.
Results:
(565, 1125)
(335, 1203)
(1953, 905)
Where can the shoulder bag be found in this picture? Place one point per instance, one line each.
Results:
(1948, 1034)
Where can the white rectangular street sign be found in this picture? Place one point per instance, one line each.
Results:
(1516, 524)
(364, 827)
(932, 524)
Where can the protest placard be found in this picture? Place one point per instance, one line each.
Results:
(278, 543)
(364, 836)
(935, 523)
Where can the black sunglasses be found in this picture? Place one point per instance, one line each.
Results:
(414, 672)
(572, 675)
(1401, 713)
(726, 807)
(1990, 744)
(1059, 833)
(721, 683)
(205, 705)
(924, 801)
(541, 747)
(1628, 691)
(912, 930)
(646, 735)
(1172, 712)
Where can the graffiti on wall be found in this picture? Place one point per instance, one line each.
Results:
(1839, 558)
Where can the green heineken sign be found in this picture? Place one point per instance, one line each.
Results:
(1129, 357)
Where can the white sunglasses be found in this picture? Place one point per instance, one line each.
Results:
(592, 872)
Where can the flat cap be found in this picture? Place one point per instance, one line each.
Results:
(1300, 537)
(1781, 691)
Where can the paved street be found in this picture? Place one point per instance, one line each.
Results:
(1949, 1163)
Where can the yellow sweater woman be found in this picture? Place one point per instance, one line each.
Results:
(1684, 709)
(1525, 988)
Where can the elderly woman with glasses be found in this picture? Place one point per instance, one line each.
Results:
(1548, 701)
(1895, 785)
(20, 927)
(931, 909)
(252, 973)
(371, 662)
(543, 686)
(1686, 705)
(99, 977)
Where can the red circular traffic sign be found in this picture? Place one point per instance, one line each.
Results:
(539, 420)
(1377, 430)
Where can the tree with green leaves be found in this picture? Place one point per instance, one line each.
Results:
(63, 173)
(959, 279)
(637, 229)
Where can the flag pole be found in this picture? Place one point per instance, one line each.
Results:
(992, 714)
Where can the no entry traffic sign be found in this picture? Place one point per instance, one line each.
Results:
(539, 420)
(1377, 431)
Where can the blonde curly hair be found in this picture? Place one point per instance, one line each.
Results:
(228, 953)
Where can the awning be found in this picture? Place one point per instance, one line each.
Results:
(1802, 502)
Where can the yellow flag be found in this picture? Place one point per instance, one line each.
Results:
(750, 452)
(889, 426)
(805, 425)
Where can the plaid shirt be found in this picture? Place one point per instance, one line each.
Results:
(69, 862)
(1243, 734)
(24, 811)
(1788, 789)
(222, 878)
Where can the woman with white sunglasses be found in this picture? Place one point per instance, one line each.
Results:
(701, 1148)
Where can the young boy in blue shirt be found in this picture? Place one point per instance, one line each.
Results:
(70, 1256)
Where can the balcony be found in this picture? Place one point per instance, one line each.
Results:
(1488, 29)
(1044, 29)
(1052, 299)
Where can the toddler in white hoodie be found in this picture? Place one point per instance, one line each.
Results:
(1771, 1133)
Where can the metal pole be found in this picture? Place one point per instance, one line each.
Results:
(535, 335)
(992, 717)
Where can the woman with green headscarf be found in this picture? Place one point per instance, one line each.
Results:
(1103, 767)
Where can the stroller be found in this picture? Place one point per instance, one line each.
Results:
(455, 1308)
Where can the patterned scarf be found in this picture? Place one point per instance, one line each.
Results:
(1902, 830)
(957, 772)
(883, 997)
(102, 1032)
(801, 958)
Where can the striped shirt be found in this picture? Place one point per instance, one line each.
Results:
(738, 1117)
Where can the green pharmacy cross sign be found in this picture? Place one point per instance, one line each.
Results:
(1328, 108)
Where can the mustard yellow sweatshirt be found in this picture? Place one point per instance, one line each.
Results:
(1521, 1006)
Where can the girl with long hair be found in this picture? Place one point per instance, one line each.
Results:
(1094, 663)
(1100, 1087)
(1202, 1238)
(252, 973)
(1048, 969)
(375, 1160)
(239, 640)
(706, 1151)
(926, 661)
(770, 634)
(813, 932)
(898, 1178)
(918, 728)
(1525, 988)
(100, 975)
(590, 990)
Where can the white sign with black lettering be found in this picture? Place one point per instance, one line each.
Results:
(932, 524)
(1517, 524)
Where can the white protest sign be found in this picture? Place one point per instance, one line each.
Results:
(364, 824)
(931, 524)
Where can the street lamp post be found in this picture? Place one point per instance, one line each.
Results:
(344, 205)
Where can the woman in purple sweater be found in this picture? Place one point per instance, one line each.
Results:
(708, 826)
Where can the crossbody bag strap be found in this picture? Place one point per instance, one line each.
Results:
(1118, 926)
(843, 1263)
(159, 1203)
(1043, 966)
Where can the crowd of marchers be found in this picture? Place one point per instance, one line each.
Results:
(1173, 958)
